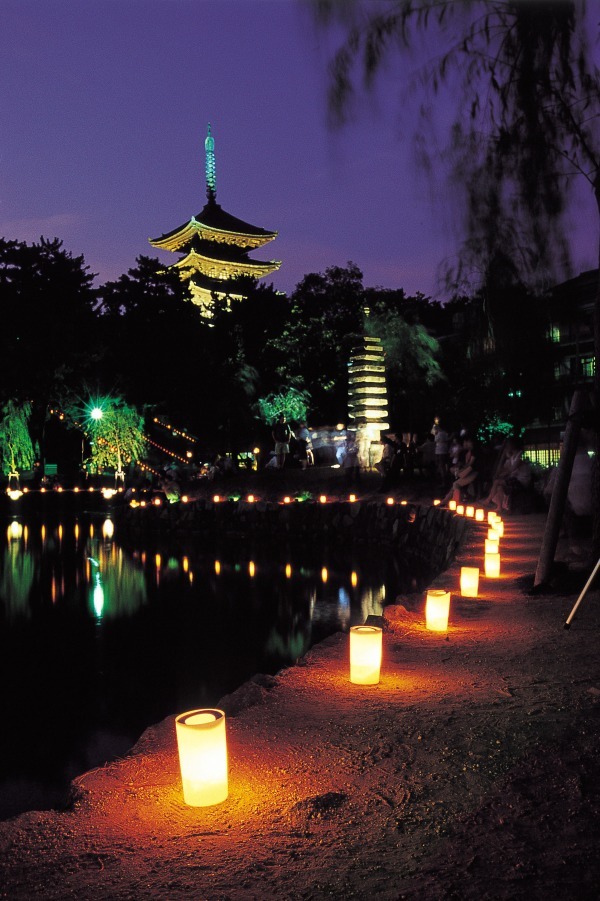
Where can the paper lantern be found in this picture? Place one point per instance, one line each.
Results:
(365, 654)
(352, 498)
(202, 746)
(287, 499)
(469, 581)
(470, 511)
(493, 534)
(491, 546)
(460, 509)
(437, 502)
(491, 517)
(216, 499)
(492, 566)
(499, 527)
(452, 505)
(251, 498)
(390, 501)
(437, 610)
(323, 499)
(479, 514)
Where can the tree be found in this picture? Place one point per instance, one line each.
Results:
(293, 403)
(16, 448)
(152, 338)
(526, 120)
(47, 339)
(115, 432)
(411, 363)
(325, 316)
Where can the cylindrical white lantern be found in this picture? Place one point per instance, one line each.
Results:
(452, 505)
(499, 527)
(491, 546)
(469, 581)
(479, 514)
(437, 610)
(492, 516)
(460, 509)
(492, 566)
(366, 644)
(202, 746)
(493, 534)
(470, 511)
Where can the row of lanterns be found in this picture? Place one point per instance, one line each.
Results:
(201, 736)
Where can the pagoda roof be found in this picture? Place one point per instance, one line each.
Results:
(223, 267)
(213, 223)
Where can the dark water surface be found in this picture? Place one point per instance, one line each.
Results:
(101, 637)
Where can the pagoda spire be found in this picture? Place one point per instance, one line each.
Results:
(211, 179)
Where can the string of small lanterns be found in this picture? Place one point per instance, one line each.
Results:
(176, 432)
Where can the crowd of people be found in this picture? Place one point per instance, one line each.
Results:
(498, 477)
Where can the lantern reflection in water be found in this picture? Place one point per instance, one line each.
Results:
(365, 654)
(202, 747)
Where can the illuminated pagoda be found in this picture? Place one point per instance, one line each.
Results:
(215, 246)
(367, 398)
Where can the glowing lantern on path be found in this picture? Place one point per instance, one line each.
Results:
(287, 499)
(493, 534)
(390, 501)
(202, 746)
(216, 499)
(366, 644)
(437, 610)
(469, 581)
(492, 517)
(460, 509)
(470, 512)
(491, 546)
(492, 566)
(437, 502)
(352, 498)
(499, 527)
(452, 505)
(323, 499)
(251, 498)
(479, 514)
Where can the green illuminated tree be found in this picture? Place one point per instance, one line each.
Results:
(290, 401)
(115, 431)
(16, 448)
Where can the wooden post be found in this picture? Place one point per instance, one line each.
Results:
(559, 493)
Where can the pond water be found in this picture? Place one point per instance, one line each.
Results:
(102, 634)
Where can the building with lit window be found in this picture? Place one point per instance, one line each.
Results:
(215, 247)
(570, 329)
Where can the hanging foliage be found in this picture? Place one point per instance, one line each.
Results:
(16, 448)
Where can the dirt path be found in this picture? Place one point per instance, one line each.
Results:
(472, 771)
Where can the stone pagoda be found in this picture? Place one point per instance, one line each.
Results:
(215, 246)
(367, 399)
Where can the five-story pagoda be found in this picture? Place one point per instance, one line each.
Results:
(215, 246)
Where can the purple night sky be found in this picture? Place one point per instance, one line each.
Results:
(104, 110)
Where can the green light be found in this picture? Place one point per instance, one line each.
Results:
(211, 179)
